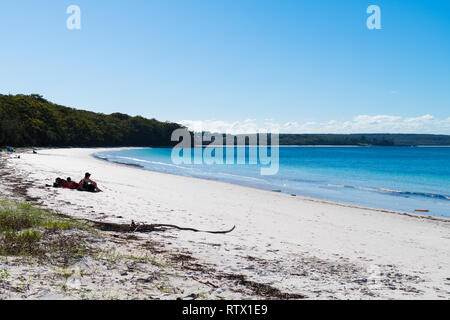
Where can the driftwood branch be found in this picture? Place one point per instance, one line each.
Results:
(133, 227)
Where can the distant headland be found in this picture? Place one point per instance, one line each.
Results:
(32, 121)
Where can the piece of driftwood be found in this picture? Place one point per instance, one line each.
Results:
(141, 227)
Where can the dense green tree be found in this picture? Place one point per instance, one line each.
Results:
(30, 120)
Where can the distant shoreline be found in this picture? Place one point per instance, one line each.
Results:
(2, 148)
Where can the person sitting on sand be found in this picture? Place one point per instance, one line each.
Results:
(86, 184)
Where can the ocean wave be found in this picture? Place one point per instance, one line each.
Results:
(242, 176)
(193, 171)
(114, 159)
(133, 159)
(395, 192)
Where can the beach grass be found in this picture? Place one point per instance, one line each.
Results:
(26, 230)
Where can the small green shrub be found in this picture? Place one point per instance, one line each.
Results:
(20, 243)
(30, 231)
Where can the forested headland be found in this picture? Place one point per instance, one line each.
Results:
(370, 139)
(32, 121)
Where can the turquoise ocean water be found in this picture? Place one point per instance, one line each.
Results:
(394, 178)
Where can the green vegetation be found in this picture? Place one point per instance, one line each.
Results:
(377, 139)
(351, 139)
(29, 231)
(4, 275)
(25, 242)
(32, 121)
(16, 216)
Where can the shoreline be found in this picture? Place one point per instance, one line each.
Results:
(114, 264)
(305, 198)
(312, 248)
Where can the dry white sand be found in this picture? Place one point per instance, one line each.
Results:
(315, 248)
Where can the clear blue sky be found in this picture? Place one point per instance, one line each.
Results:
(232, 60)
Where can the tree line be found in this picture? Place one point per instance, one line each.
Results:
(375, 139)
(31, 121)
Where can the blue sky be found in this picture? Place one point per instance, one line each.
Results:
(301, 66)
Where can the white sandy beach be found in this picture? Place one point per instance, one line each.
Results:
(304, 246)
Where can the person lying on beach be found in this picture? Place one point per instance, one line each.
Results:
(66, 184)
(60, 183)
(72, 184)
(86, 184)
